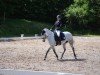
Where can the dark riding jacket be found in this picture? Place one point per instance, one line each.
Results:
(57, 25)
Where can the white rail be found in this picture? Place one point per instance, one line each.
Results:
(17, 72)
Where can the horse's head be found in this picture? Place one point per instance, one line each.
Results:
(44, 35)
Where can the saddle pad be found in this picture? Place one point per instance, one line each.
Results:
(58, 33)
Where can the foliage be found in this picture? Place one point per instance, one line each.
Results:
(94, 19)
(79, 15)
(43, 10)
(84, 14)
(78, 12)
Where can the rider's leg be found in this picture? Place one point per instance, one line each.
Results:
(62, 36)
(56, 38)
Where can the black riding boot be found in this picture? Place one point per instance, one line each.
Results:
(62, 36)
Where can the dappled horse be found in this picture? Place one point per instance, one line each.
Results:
(46, 33)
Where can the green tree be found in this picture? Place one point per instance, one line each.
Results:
(43, 10)
(77, 13)
(6, 8)
(94, 16)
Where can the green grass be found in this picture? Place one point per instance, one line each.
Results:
(15, 27)
(83, 32)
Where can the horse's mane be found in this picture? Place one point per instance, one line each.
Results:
(46, 29)
(49, 32)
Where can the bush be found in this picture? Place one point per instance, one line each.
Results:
(77, 13)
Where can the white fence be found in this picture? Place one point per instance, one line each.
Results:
(17, 72)
(22, 37)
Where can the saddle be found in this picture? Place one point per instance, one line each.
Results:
(59, 36)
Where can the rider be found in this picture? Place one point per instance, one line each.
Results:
(57, 25)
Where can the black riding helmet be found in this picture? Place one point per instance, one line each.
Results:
(58, 17)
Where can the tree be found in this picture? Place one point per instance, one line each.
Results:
(94, 19)
(77, 13)
(6, 8)
(43, 10)
(84, 14)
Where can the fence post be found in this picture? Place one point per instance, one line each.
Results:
(22, 35)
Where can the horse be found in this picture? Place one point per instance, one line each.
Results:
(46, 33)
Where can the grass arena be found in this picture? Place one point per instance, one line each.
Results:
(29, 55)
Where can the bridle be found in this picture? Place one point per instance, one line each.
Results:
(43, 35)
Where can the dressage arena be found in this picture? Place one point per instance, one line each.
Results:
(29, 55)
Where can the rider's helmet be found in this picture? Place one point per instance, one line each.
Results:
(59, 17)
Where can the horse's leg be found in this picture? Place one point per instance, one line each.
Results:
(47, 53)
(74, 53)
(64, 50)
(71, 44)
(55, 52)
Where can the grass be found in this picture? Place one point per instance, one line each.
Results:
(84, 32)
(16, 27)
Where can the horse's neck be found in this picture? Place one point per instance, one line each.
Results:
(51, 38)
(50, 33)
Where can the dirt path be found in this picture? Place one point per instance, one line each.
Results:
(29, 55)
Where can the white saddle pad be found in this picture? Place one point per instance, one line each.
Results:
(58, 32)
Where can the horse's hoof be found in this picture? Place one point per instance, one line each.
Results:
(75, 58)
(57, 59)
(44, 59)
(61, 58)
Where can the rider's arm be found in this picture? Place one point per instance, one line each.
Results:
(60, 23)
(53, 27)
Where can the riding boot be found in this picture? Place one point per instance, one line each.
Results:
(62, 36)
(60, 42)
